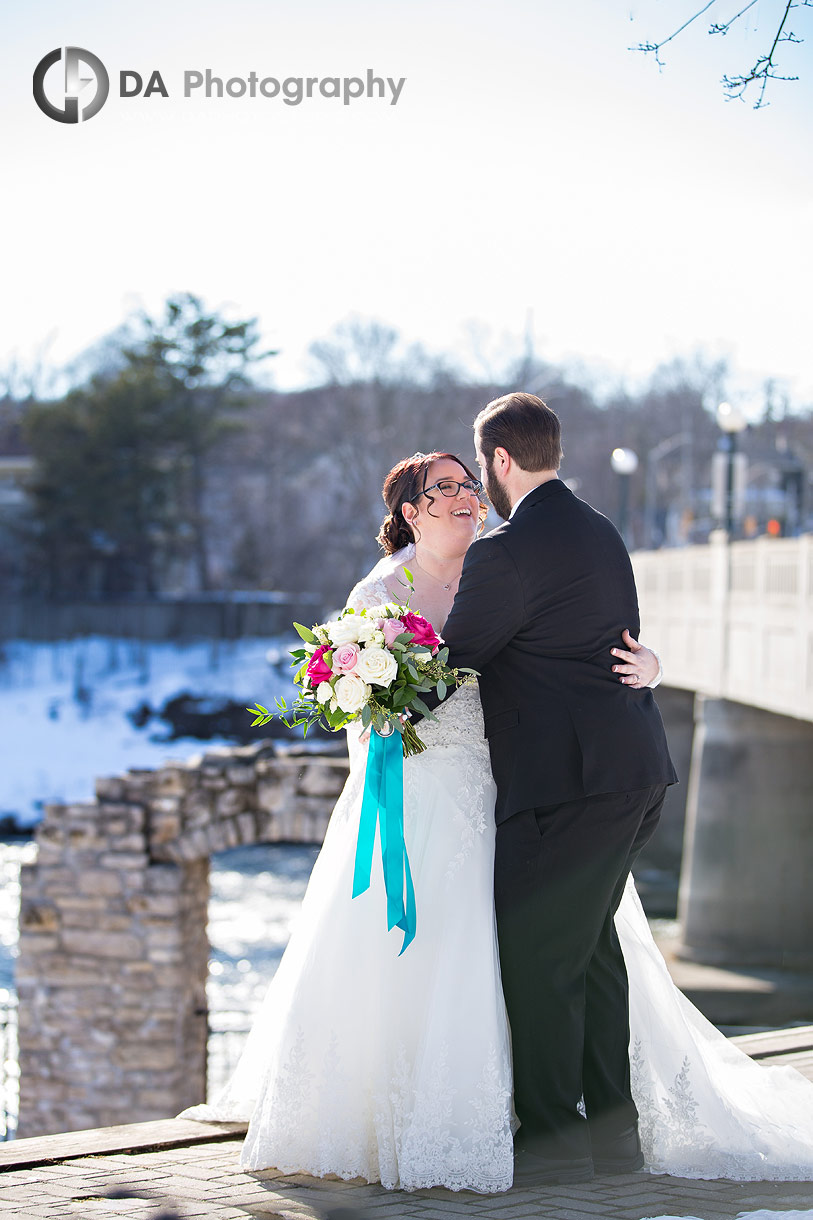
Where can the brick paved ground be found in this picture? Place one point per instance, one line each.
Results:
(205, 1180)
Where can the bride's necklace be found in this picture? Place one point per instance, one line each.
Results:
(446, 586)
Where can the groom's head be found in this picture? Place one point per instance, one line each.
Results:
(519, 443)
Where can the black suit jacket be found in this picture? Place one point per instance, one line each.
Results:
(542, 600)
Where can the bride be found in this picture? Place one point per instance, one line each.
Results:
(397, 1070)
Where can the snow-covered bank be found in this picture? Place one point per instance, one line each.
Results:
(64, 707)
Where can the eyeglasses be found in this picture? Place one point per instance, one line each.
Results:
(451, 487)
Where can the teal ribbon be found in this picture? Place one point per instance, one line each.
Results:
(383, 805)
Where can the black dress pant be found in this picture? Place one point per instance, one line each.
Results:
(560, 872)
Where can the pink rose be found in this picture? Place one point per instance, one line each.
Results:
(422, 630)
(345, 657)
(317, 670)
(392, 628)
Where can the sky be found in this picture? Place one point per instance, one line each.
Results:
(534, 175)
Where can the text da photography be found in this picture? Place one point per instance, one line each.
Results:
(291, 90)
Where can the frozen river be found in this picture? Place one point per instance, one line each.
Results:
(73, 710)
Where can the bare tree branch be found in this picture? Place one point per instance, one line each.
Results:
(724, 26)
(764, 69)
(655, 47)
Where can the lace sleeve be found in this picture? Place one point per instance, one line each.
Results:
(371, 591)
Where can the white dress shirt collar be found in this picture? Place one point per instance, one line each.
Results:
(519, 501)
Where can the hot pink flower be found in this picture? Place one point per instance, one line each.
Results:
(317, 670)
(392, 628)
(345, 657)
(422, 630)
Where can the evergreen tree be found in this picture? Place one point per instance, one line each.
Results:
(205, 361)
(104, 511)
(119, 489)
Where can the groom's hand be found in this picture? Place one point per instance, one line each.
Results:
(642, 666)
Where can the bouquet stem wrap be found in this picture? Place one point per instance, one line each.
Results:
(383, 805)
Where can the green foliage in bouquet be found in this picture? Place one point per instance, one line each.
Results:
(410, 669)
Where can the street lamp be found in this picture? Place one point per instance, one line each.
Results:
(731, 422)
(624, 462)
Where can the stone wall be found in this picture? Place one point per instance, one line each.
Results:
(113, 945)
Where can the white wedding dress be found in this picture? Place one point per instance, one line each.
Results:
(395, 1069)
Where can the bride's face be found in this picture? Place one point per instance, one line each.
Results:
(446, 524)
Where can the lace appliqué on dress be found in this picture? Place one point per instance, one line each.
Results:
(459, 730)
(675, 1140)
(368, 593)
(669, 1126)
(416, 1138)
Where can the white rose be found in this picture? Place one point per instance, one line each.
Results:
(351, 692)
(377, 665)
(324, 691)
(344, 630)
(387, 610)
(366, 629)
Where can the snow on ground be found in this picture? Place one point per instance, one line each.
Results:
(64, 705)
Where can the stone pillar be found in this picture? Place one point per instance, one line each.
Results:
(746, 895)
(111, 975)
(114, 953)
(664, 852)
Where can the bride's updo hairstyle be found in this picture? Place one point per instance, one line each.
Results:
(405, 482)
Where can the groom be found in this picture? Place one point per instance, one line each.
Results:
(581, 767)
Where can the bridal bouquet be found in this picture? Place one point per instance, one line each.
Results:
(371, 666)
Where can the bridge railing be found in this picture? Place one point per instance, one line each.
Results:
(734, 621)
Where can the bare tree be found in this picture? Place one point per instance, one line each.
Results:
(27, 380)
(359, 350)
(766, 66)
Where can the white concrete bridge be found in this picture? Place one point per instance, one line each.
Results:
(734, 622)
(734, 626)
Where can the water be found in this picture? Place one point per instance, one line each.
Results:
(255, 895)
(12, 855)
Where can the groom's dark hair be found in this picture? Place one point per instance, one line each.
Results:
(525, 427)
